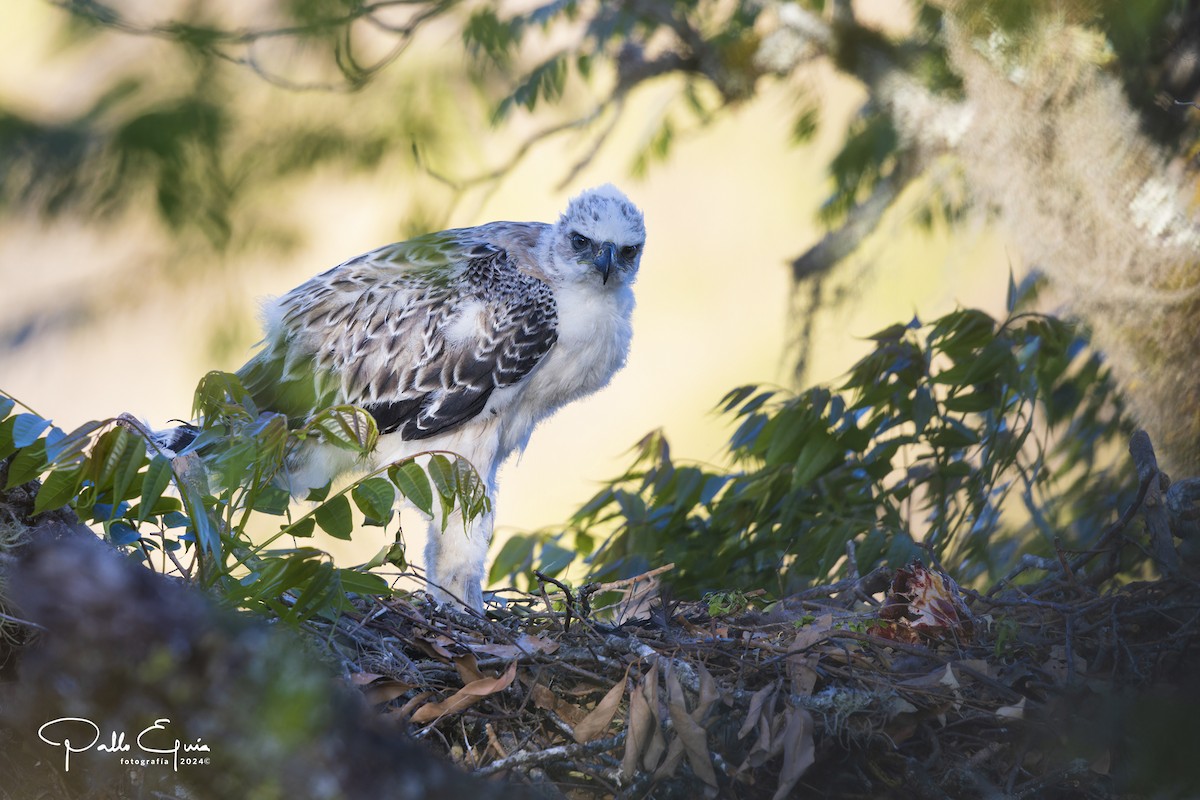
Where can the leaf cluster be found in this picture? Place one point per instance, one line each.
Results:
(967, 440)
(200, 513)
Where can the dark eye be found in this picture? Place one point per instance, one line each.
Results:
(579, 241)
(629, 252)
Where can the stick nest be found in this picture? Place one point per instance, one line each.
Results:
(894, 684)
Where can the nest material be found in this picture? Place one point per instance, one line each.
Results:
(840, 692)
(886, 685)
(893, 684)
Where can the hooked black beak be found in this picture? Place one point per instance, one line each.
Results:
(605, 258)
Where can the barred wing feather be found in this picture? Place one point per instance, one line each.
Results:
(419, 333)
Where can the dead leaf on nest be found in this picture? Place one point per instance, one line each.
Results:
(385, 691)
(801, 661)
(526, 645)
(769, 725)
(691, 738)
(435, 647)
(1012, 712)
(942, 676)
(939, 681)
(600, 717)
(468, 668)
(759, 702)
(544, 697)
(642, 727)
(799, 750)
(363, 678)
(465, 697)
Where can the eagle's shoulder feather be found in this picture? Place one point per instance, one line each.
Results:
(419, 333)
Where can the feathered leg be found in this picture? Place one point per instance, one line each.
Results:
(454, 558)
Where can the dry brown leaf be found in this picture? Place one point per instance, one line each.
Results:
(434, 648)
(406, 709)
(363, 678)
(974, 664)
(526, 645)
(544, 697)
(799, 750)
(802, 673)
(600, 717)
(643, 742)
(1012, 712)
(637, 734)
(468, 668)
(465, 697)
(494, 741)
(385, 691)
(760, 751)
(708, 693)
(811, 634)
(691, 739)
(658, 745)
(759, 702)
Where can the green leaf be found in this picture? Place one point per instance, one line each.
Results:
(335, 518)
(126, 469)
(364, 583)
(375, 497)
(441, 471)
(388, 554)
(7, 404)
(273, 500)
(205, 531)
(71, 446)
(302, 528)
(27, 428)
(346, 427)
(923, 408)
(555, 558)
(121, 534)
(27, 464)
(59, 488)
(971, 401)
(7, 447)
(818, 453)
(413, 483)
(106, 455)
(318, 494)
(735, 398)
(515, 556)
(316, 592)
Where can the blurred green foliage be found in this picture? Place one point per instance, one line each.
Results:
(195, 515)
(967, 441)
(179, 130)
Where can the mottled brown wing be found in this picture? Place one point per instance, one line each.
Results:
(420, 334)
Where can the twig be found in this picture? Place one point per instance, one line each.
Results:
(543, 579)
(526, 758)
(20, 621)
